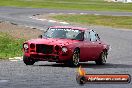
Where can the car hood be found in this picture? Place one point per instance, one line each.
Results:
(50, 41)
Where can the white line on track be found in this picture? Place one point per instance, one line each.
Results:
(53, 21)
(41, 19)
(30, 27)
(96, 14)
(16, 59)
(51, 13)
(63, 22)
(60, 13)
(83, 13)
(31, 17)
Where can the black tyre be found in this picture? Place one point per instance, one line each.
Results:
(28, 60)
(102, 58)
(75, 58)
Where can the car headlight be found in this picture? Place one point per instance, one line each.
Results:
(64, 49)
(25, 46)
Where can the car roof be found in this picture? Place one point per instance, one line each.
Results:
(70, 27)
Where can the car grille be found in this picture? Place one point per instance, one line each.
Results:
(45, 49)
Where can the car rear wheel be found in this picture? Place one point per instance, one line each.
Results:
(75, 58)
(102, 58)
(28, 60)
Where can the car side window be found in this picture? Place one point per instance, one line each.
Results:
(87, 35)
(93, 36)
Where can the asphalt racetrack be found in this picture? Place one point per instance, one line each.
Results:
(52, 75)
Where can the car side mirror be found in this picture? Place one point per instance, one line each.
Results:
(40, 36)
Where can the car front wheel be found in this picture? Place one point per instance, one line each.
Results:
(28, 60)
(75, 58)
(102, 58)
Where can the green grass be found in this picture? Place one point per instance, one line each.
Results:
(70, 4)
(113, 21)
(9, 46)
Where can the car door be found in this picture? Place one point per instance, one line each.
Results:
(86, 53)
(95, 43)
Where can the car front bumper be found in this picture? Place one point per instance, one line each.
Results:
(49, 57)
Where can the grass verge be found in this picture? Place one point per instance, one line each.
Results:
(113, 21)
(9, 46)
(70, 4)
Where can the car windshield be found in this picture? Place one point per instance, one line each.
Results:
(64, 33)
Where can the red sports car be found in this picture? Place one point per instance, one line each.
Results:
(64, 44)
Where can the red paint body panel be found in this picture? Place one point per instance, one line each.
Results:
(89, 51)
